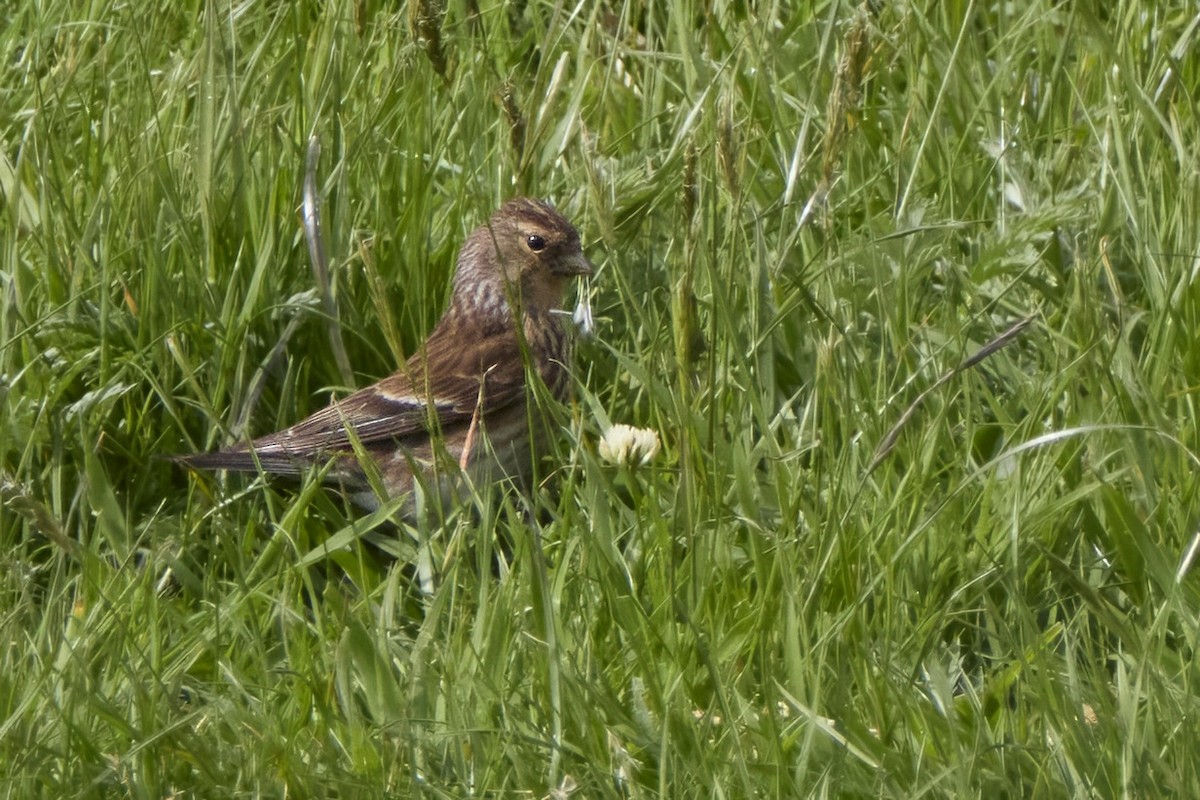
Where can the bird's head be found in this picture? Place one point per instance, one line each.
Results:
(526, 248)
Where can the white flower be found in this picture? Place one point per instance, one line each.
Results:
(627, 445)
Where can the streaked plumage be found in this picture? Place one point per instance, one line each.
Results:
(464, 388)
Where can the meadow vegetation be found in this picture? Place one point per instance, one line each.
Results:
(861, 565)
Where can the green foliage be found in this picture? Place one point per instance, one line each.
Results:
(804, 216)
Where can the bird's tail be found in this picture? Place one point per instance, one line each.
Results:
(244, 459)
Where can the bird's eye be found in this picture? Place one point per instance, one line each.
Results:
(535, 242)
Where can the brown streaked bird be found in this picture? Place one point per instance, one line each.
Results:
(464, 389)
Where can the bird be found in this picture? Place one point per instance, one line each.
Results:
(461, 404)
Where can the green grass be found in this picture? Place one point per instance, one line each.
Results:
(802, 216)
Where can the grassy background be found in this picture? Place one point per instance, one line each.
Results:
(803, 217)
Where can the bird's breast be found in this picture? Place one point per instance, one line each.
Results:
(550, 352)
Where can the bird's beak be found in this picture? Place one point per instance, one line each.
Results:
(575, 265)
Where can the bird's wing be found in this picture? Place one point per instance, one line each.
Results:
(440, 387)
